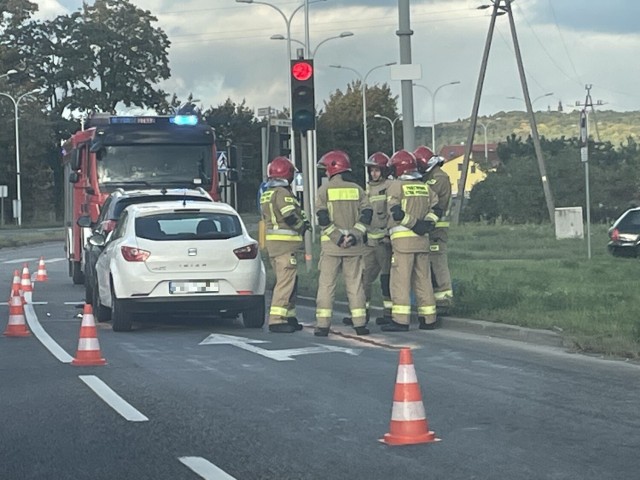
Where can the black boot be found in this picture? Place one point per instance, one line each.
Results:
(293, 321)
(395, 327)
(428, 326)
(362, 331)
(383, 320)
(282, 328)
(321, 331)
(348, 321)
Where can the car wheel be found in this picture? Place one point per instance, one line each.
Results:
(88, 293)
(76, 273)
(100, 312)
(254, 318)
(120, 319)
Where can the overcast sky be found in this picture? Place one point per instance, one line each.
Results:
(223, 49)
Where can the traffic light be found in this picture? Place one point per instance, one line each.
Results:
(303, 113)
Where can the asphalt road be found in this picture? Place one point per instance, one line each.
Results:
(296, 406)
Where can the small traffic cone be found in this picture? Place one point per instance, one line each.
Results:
(25, 284)
(17, 326)
(15, 285)
(408, 420)
(88, 347)
(41, 276)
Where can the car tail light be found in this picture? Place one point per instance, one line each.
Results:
(615, 235)
(248, 252)
(109, 225)
(133, 254)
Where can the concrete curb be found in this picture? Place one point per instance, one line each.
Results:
(476, 327)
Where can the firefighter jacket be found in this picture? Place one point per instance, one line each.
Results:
(285, 221)
(416, 201)
(342, 209)
(377, 192)
(440, 184)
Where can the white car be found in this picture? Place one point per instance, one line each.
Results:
(182, 257)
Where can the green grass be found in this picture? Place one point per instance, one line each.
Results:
(521, 275)
(12, 237)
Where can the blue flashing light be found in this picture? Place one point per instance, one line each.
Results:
(184, 120)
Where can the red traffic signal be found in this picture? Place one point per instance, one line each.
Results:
(302, 70)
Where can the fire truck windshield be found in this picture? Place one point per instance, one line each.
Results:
(155, 165)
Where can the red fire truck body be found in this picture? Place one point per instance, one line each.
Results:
(131, 153)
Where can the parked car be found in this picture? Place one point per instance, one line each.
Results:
(170, 257)
(113, 206)
(625, 234)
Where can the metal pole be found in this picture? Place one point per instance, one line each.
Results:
(308, 249)
(18, 179)
(433, 123)
(393, 136)
(404, 33)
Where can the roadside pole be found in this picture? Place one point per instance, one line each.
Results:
(584, 157)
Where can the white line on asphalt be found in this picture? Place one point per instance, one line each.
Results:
(112, 399)
(205, 469)
(32, 303)
(20, 260)
(74, 303)
(55, 349)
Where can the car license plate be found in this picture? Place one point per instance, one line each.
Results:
(204, 286)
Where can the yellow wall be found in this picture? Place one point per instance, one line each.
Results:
(453, 168)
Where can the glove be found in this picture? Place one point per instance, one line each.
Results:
(341, 241)
(397, 213)
(438, 211)
(365, 238)
(351, 240)
(422, 227)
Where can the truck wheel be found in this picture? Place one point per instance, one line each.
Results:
(120, 319)
(76, 273)
(254, 318)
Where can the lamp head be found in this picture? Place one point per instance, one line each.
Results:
(346, 34)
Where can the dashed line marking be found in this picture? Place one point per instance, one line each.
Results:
(205, 468)
(111, 398)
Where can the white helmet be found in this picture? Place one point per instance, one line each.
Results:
(433, 161)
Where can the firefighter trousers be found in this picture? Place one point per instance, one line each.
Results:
(440, 275)
(410, 272)
(283, 299)
(377, 261)
(352, 269)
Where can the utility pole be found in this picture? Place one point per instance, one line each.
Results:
(404, 33)
(500, 7)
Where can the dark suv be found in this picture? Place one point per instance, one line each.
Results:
(113, 206)
(625, 234)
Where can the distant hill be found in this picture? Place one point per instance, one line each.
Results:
(615, 127)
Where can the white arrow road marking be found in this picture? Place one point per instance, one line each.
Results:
(55, 349)
(278, 355)
(112, 399)
(205, 469)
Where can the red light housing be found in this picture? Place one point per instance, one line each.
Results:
(133, 254)
(248, 252)
(302, 70)
(615, 235)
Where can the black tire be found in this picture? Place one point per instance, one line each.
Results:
(254, 318)
(120, 319)
(76, 273)
(100, 312)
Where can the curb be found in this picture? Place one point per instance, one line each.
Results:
(476, 327)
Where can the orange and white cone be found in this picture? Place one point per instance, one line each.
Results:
(15, 285)
(408, 420)
(25, 284)
(88, 353)
(17, 326)
(41, 276)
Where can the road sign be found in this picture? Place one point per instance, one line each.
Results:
(277, 355)
(584, 154)
(264, 112)
(4, 191)
(280, 122)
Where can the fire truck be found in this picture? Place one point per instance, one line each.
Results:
(137, 152)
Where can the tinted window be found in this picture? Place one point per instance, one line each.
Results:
(125, 202)
(188, 225)
(630, 221)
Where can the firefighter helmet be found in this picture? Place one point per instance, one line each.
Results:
(432, 162)
(423, 155)
(403, 162)
(281, 167)
(380, 160)
(335, 161)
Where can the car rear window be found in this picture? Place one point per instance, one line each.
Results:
(188, 225)
(125, 202)
(630, 222)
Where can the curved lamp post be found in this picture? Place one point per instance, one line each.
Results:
(433, 110)
(393, 129)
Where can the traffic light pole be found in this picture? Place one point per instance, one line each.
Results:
(304, 150)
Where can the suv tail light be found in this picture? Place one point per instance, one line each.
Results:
(248, 252)
(615, 235)
(133, 254)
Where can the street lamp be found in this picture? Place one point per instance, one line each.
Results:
(363, 80)
(10, 72)
(313, 54)
(486, 150)
(433, 110)
(393, 129)
(534, 100)
(16, 104)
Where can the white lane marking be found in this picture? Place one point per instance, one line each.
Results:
(55, 349)
(32, 303)
(74, 303)
(54, 260)
(205, 469)
(112, 399)
(33, 259)
(278, 355)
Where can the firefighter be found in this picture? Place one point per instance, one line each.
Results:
(343, 213)
(411, 218)
(285, 224)
(440, 183)
(377, 257)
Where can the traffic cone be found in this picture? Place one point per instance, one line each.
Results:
(41, 276)
(88, 347)
(15, 285)
(25, 284)
(17, 326)
(408, 420)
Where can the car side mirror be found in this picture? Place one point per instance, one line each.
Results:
(74, 177)
(84, 221)
(97, 240)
